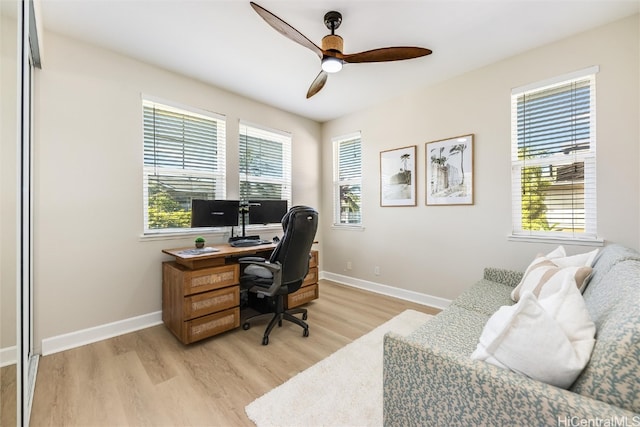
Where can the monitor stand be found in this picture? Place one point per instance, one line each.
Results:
(244, 209)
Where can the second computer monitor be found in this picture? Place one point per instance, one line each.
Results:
(267, 211)
(214, 213)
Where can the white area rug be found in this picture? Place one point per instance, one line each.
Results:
(345, 389)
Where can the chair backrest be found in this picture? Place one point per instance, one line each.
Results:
(299, 224)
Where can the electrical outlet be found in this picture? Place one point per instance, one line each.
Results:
(376, 270)
(349, 266)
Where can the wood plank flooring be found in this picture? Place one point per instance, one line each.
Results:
(8, 395)
(148, 378)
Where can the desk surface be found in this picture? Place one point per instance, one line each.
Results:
(209, 259)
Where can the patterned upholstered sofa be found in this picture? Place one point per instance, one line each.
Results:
(430, 379)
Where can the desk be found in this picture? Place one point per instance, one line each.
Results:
(201, 293)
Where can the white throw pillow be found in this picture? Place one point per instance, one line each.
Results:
(549, 271)
(580, 260)
(548, 339)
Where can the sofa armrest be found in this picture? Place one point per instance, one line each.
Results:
(429, 386)
(501, 275)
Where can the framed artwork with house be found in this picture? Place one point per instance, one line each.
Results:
(449, 171)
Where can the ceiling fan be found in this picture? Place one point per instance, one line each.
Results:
(331, 52)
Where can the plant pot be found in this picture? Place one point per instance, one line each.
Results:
(199, 245)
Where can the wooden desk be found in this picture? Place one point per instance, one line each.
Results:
(201, 293)
(212, 259)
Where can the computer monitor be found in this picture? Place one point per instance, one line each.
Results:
(214, 213)
(267, 211)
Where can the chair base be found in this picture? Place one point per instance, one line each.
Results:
(278, 318)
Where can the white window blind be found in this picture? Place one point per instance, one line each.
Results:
(184, 159)
(553, 152)
(265, 163)
(348, 180)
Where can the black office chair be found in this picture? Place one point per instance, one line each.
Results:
(284, 273)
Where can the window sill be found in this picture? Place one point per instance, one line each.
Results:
(176, 235)
(208, 233)
(354, 227)
(556, 240)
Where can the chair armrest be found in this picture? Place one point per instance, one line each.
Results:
(251, 260)
(430, 386)
(501, 275)
(275, 269)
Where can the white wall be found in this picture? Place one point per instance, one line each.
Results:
(441, 250)
(8, 179)
(91, 265)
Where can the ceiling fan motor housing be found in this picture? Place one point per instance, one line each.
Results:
(332, 42)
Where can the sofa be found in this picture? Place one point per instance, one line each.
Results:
(430, 378)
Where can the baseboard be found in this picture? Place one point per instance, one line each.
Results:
(8, 356)
(99, 333)
(379, 288)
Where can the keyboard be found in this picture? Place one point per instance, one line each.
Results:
(248, 242)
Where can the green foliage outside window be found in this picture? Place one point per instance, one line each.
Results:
(534, 191)
(165, 212)
(534, 208)
(350, 204)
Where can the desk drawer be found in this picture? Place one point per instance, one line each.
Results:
(213, 324)
(207, 279)
(211, 302)
(311, 277)
(302, 296)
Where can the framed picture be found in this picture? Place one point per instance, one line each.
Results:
(398, 177)
(449, 171)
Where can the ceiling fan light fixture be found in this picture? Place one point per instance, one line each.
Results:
(331, 64)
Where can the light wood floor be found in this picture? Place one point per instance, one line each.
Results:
(8, 396)
(149, 378)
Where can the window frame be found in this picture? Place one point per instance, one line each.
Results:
(219, 174)
(338, 183)
(587, 157)
(271, 135)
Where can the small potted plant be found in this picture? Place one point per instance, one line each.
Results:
(199, 242)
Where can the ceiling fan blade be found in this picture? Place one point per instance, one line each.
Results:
(286, 29)
(386, 54)
(317, 84)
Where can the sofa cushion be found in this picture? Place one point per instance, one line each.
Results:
(455, 329)
(613, 303)
(485, 297)
(608, 257)
(547, 339)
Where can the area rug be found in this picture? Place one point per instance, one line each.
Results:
(345, 389)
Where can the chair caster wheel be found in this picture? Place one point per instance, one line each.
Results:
(246, 326)
(305, 333)
(304, 316)
(265, 340)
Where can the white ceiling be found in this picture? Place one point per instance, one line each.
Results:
(225, 43)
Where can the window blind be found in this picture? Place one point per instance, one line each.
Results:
(265, 163)
(184, 159)
(348, 180)
(554, 159)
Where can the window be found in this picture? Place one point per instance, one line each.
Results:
(553, 152)
(265, 163)
(184, 159)
(347, 180)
